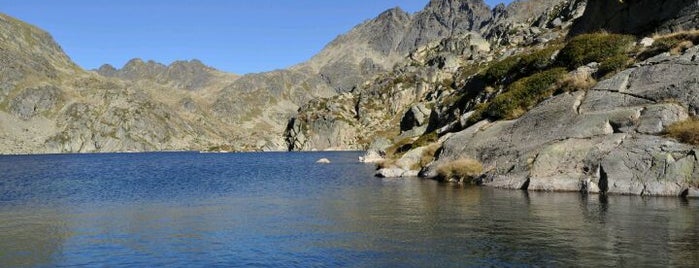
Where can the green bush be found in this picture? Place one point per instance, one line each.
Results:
(524, 93)
(595, 47)
(614, 64)
(498, 71)
(537, 60)
(520, 65)
(425, 140)
(478, 114)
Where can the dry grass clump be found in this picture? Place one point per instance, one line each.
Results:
(386, 163)
(428, 154)
(685, 131)
(675, 43)
(463, 169)
(575, 82)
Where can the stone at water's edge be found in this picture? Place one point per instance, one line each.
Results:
(395, 173)
(604, 140)
(371, 156)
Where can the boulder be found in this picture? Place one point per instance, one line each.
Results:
(646, 42)
(323, 161)
(411, 159)
(416, 116)
(395, 173)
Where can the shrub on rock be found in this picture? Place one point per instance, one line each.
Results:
(595, 47)
(685, 131)
(460, 170)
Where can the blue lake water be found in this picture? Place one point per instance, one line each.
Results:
(284, 210)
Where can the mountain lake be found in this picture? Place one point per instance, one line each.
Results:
(285, 210)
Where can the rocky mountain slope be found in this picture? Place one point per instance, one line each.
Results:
(606, 139)
(517, 104)
(432, 72)
(49, 105)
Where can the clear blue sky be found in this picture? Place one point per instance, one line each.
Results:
(239, 36)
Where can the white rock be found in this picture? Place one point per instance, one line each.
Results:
(371, 156)
(323, 161)
(389, 173)
(395, 173)
(647, 42)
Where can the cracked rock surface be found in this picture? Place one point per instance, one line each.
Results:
(606, 140)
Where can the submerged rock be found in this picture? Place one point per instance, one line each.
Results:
(323, 161)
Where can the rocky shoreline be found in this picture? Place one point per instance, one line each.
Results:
(608, 139)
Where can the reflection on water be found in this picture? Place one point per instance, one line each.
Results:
(283, 209)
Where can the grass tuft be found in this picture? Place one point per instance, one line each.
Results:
(428, 155)
(685, 131)
(464, 169)
(675, 43)
(576, 82)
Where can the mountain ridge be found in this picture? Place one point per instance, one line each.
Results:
(49, 104)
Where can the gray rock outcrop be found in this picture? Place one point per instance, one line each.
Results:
(33, 101)
(608, 139)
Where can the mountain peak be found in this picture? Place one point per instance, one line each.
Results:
(443, 18)
(191, 64)
(185, 74)
(392, 13)
(27, 48)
